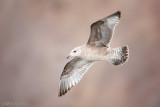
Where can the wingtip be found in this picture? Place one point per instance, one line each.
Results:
(118, 13)
(61, 94)
(63, 91)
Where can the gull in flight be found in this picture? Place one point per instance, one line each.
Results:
(96, 49)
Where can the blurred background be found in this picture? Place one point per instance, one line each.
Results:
(37, 35)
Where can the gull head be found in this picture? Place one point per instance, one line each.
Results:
(76, 51)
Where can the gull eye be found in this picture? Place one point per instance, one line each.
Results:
(74, 51)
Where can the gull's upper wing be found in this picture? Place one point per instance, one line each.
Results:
(73, 73)
(102, 30)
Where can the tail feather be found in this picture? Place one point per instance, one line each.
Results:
(119, 55)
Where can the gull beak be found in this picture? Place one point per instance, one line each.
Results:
(67, 57)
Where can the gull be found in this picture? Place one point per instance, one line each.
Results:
(96, 49)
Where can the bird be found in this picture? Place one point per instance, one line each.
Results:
(97, 49)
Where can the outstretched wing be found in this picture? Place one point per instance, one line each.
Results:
(102, 30)
(73, 73)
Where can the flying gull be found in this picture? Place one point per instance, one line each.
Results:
(96, 49)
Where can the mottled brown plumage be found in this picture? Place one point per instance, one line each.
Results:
(102, 30)
(96, 49)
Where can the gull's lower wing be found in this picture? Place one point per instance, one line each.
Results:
(102, 30)
(73, 73)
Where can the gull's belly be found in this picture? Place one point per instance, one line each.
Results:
(95, 53)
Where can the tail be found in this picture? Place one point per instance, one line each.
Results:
(119, 55)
